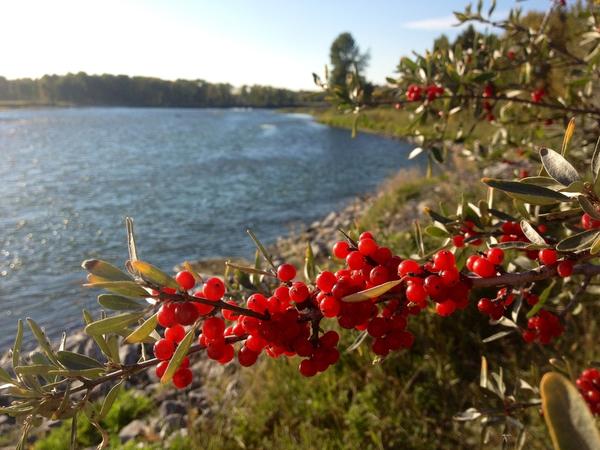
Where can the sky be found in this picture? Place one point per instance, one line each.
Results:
(269, 42)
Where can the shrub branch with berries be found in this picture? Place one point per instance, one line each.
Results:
(527, 269)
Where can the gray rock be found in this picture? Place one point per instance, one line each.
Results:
(133, 430)
(171, 423)
(129, 354)
(169, 407)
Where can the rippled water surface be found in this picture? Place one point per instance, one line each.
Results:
(193, 180)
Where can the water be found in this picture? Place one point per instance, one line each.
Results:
(193, 180)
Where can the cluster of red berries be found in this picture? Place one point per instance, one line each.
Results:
(415, 92)
(496, 307)
(543, 327)
(587, 223)
(588, 384)
(287, 322)
(486, 265)
(467, 235)
(538, 95)
(549, 257)
(439, 280)
(175, 316)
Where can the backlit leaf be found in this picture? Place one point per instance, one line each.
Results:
(371, 293)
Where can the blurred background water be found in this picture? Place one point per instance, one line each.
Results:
(192, 179)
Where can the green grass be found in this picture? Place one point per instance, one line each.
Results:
(127, 407)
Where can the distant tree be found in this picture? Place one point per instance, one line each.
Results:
(346, 58)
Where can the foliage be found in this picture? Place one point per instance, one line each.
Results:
(127, 407)
(121, 90)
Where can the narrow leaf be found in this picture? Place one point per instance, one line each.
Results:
(542, 300)
(310, 270)
(40, 336)
(126, 288)
(16, 350)
(109, 400)
(558, 167)
(154, 275)
(531, 233)
(105, 270)
(133, 256)
(98, 339)
(247, 269)
(498, 335)
(112, 324)
(578, 242)
(371, 293)
(178, 356)
(483, 374)
(568, 135)
(588, 207)
(569, 420)
(536, 195)
(76, 361)
(118, 303)
(143, 331)
(595, 166)
(261, 248)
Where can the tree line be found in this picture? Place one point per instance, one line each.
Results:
(121, 90)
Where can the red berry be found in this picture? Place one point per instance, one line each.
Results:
(485, 305)
(416, 293)
(341, 249)
(185, 280)
(330, 306)
(161, 368)
(247, 357)
(164, 349)
(450, 276)
(175, 333)
(367, 246)
(547, 256)
(286, 272)
(299, 292)
(407, 267)
(377, 327)
(325, 281)
(471, 262)
(434, 286)
(330, 339)
(443, 259)
(495, 255)
(378, 275)
(213, 328)
(458, 240)
(186, 313)
(182, 378)
(214, 289)
(308, 368)
(484, 268)
(445, 308)
(257, 302)
(166, 315)
(588, 223)
(565, 268)
(355, 260)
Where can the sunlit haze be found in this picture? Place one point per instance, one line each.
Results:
(241, 42)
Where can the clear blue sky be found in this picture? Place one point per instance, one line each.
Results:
(275, 42)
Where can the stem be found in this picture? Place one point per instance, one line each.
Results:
(127, 371)
(529, 276)
(218, 304)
